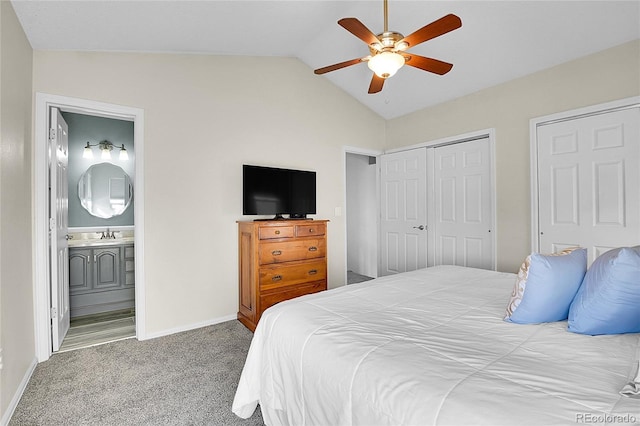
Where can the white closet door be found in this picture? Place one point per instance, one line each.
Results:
(403, 194)
(589, 182)
(463, 204)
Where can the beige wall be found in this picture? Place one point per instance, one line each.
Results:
(204, 117)
(602, 77)
(16, 287)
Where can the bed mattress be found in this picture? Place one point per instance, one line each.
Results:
(430, 347)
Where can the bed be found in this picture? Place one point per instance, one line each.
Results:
(430, 347)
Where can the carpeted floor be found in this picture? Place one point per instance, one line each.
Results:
(187, 378)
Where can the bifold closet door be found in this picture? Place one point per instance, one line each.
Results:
(463, 204)
(589, 182)
(403, 216)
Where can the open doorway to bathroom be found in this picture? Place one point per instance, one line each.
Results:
(119, 261)
(361, 211)
(101, 277)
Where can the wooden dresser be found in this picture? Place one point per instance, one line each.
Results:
(279, 260)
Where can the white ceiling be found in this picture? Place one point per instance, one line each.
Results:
(498, 41)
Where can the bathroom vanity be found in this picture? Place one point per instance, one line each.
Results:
(101, 275)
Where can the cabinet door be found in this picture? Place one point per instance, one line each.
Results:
(107, 264)
(80, 270)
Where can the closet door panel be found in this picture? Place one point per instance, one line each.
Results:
(589, 182)
(464, 210)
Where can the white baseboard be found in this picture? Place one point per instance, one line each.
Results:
(168, 332)
(16, 397)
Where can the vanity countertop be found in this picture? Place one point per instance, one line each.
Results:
(94, 242)
(93, 239)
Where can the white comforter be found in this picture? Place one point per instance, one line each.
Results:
(430, 347)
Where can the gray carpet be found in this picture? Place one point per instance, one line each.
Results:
(187, 378)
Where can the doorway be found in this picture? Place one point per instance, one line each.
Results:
(361, 205)
(100, 283)
(44, 283)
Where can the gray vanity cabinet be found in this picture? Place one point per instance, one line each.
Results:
(101, 279)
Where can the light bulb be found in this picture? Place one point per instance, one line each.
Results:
(124, 155)
(106, 154)
(88, 152)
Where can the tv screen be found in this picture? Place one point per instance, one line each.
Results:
(274, 191)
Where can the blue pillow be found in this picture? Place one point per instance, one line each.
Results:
(548, 286)
(608, 301)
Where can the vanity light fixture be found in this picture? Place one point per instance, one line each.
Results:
(105, 148)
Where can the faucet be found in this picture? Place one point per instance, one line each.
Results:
(107, 235)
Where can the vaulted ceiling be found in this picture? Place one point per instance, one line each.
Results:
(499, 40)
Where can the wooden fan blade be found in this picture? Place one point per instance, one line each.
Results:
(376, 84)
(338, 66)
(427, 64)
(433, 30)
(358, 29)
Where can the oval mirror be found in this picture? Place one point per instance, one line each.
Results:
(105, 190)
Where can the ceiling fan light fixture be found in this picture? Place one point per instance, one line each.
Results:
(386, 64)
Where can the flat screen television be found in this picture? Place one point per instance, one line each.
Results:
(274, 191)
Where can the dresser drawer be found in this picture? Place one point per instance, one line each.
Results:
(311, 229)
(280, 276)
(272, 232)
(269, 299)
(300, 249)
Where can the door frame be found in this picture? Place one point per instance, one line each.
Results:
(41, 268)
(451, 140)
(534, 123)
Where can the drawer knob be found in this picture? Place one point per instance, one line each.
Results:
(313, 272)
(310, 229)
(276, 278)
(276, 252)
(277, 232)
(313, 248)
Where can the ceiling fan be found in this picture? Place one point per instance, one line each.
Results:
(388, 49)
